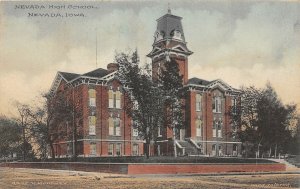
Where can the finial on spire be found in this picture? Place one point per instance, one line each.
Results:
(169, 9)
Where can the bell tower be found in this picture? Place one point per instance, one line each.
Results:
(169, 43)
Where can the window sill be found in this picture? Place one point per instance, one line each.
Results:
(114, 108)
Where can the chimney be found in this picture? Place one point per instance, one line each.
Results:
(111, 67)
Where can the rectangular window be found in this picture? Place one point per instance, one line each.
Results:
(213, 150)
(92, 97)
(93, 149)
(135, 150)
(118, 149)
(214, 128)
(159, 131)
(92, 125)
(234, 107)
(220, 153)
(110, 99)
(217, 105)
(198, 102)
(117, 130)
(110, 149)
(135, 132)
(219, 127)
(92, 102)
(118, 99)
(114, 100)
(110, 126)
(234, 149)
(199, 127)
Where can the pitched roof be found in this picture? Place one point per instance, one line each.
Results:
(198, 81)
(69, 76)
(168, 23)
(97, 73)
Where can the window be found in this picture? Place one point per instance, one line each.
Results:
(114, 126)
(118, 99)
(110, 99)
(199, 127)
(213, 149)
(135, 150)
(135, 132)
(110, 126)
(233, 104)
(92, 125)
(234, 149)
(217, 104)
(114, 99)
(220, 153)
(117, 130)
(159, 131)
(198, 102)
(118, 149)
(110, 149)
(214, 128)
(92, 97)
(219, 128)
(93, 149)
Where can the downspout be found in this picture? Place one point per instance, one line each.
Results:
(101, 142)
(124, 122)
(206, 124)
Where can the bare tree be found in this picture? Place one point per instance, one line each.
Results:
(48, 121)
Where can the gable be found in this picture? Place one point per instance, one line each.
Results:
(219, 84)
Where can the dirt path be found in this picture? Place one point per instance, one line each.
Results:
(46, 179)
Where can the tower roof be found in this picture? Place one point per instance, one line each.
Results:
(168, 23)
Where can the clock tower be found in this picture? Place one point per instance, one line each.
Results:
(169, 43)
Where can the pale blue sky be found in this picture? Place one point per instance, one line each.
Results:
(241, 42)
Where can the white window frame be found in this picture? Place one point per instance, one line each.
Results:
(110, 151)
(219, 128)
(135, 149)
(92, 99)
(214, 130)
(199, 127)
(198, 102)
(92, 102)
(135, 132)
(214, 149)
(93, 149)
(110, 126)
(159, 130)
(217, 104)
(92, 127)
(117, 128)
(92, 130)
(118, 149)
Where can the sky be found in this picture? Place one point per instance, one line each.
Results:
(241, 42)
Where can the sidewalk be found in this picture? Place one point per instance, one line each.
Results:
(289, 167)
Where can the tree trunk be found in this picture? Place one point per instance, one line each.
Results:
(147, 146)
(52, 150)
(174, 143)
(275, 155)
(75, 143)
(270, 152)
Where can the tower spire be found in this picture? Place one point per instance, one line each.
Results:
(169, 9)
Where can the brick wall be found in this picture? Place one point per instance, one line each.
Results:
(124, 168)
